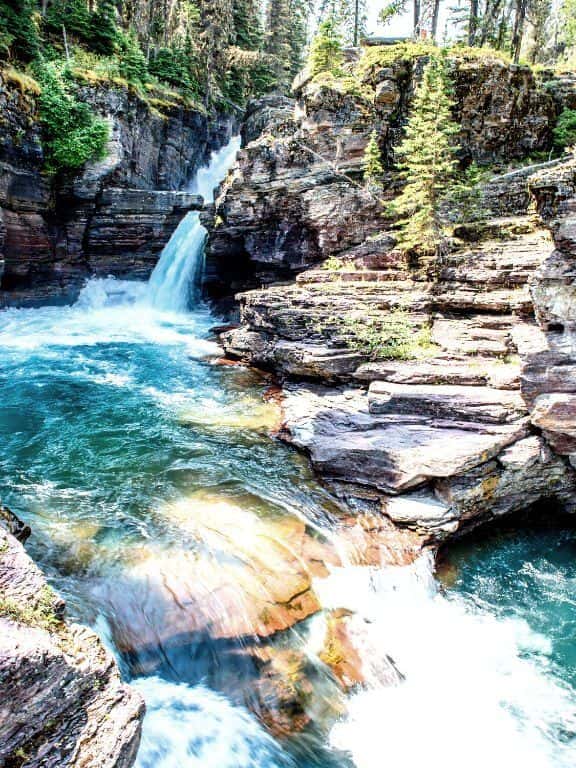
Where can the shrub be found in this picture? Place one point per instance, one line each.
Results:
(565, 130)
(71, 133)
(391, 338)
(372, 161)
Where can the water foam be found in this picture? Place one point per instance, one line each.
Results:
(174, 284)
(195, 727)
(477, 691)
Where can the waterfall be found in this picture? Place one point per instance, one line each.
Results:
(175, 282)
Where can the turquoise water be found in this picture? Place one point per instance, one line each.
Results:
(112, 412)
(527, 575)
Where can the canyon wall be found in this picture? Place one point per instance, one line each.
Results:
(114, 217)
(461, 418)
(63, 701)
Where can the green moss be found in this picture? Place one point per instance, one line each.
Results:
(376, 57)
(41, 615)
(483, 54)
(394, 337)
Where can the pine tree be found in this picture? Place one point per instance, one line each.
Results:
(286, 28)
(372, 163)
(104, 36)
(427, 162)
(18, 32)
(326, 49)
(132, 60)
(351, 16)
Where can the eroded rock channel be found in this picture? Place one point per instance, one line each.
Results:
(248, 517)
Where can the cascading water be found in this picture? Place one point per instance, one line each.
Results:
(174, 284)
(117, 431)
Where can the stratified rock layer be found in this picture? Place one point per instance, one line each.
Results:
(112, 218)
(438, 428)
(63, 702)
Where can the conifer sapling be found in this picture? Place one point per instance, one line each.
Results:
(427, 162)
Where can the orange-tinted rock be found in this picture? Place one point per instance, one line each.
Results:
(339, 652)
(235, 575)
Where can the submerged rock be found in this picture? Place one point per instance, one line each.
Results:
(235, 575)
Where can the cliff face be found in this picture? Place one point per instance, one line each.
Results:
(117, 215)
(63, 701)
(288, 203)
(456, 422)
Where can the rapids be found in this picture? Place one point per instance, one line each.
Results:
(146, 468)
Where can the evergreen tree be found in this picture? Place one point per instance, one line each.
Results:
(132, 61)
(427, 162)
(247, 25)
(104, 36)
(286, 28)
(372, 163)
(351, 16)
(18, 34)
(326, 49)
(73, 15)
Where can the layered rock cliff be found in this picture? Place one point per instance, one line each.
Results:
(63, 702)
(411, 386)
(113, 218)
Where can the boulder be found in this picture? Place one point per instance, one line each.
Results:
(63, 700)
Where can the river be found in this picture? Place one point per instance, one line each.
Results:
(156, 492)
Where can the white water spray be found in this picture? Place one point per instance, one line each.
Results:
(174, 284)
(472, 692)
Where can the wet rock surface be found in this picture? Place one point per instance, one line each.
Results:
(63, 701)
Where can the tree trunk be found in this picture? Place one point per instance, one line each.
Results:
(489, 21)
(416, 18)
(518, 31)
(356, 22)
(473, 22)
(435, 14)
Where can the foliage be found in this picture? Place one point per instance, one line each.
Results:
(427, 162)
(392, 337)
(565, 130)
(391, 10)
(72, 135)
(568, 16)
(350, 16)
(372, 162)
(483, 53)
(132, 62)
(326, 49)
(19, 37)
(286, 38)
(377, 57)
(105, 35)
(465, 195)
(176, 65)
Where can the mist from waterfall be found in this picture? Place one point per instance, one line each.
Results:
(174, 285)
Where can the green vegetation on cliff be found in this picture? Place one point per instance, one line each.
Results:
(427, 162)
(204, 54)
(72, 134)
